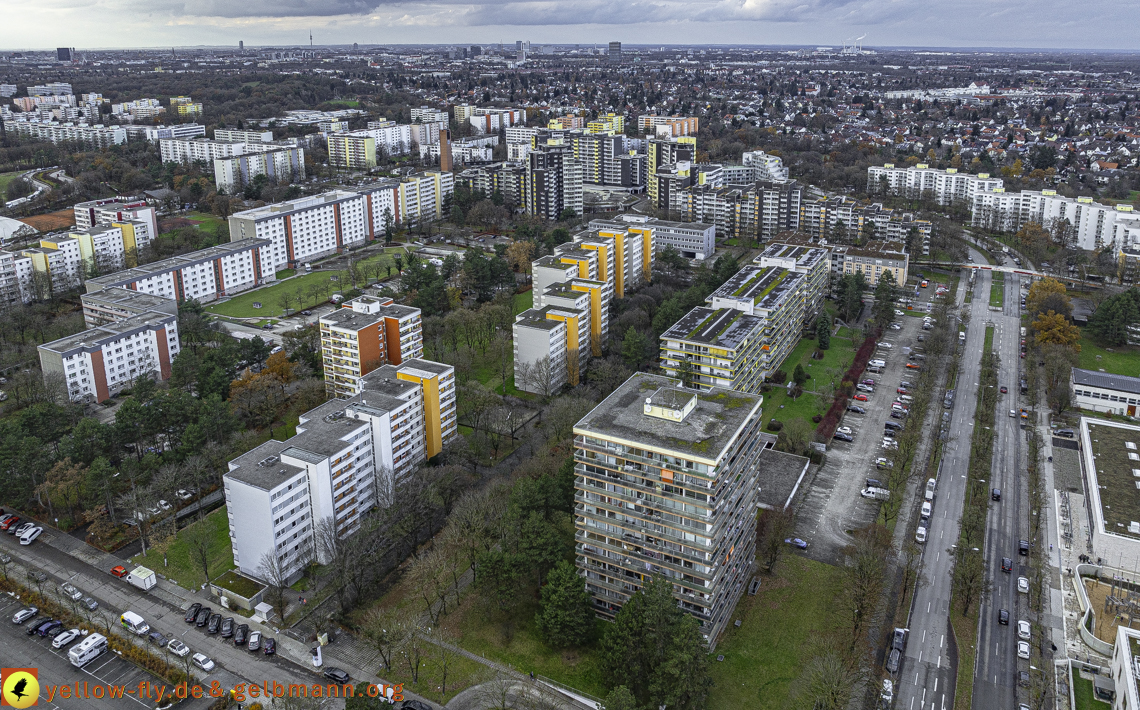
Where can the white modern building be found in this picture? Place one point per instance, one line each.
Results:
(281, 165)
(943, 186)
(97, 136)
(694, 240)
(241, 136)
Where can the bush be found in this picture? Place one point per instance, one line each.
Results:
(775, 425)
(817, 418)
(779, 377)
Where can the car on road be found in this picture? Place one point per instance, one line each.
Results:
(214, 624)
(65, 638)
(844, 430)
(796, 542)
(1012, 413)
(881, 463)
(861, 398)
(1023, 585)
(269, 646)
(856, 408)
(337, 674)
(70, 592)
(267, 326)
(1023, 547)
(203, 661)
(241, 634)
(227, 630)
(119, 571)
(24, 614)
(90, 603)
(1023, 650)
(1006, 564)
(254, 643)
(1003, 617)
(1004, 389)
(920, 534)
(844, 437)
(192, 613)
(178, 648)
(1024, 630)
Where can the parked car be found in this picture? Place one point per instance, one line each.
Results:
(48, 627)
(1023, 547)
(214, 624)
(920, 534)
(203, 617)
(10, 523)
(24, 614)
(192, 613)
(1024, 630)
(65, 638)
(881, 463)
(844, 430)
(856, 408)
(158, 639)
(70, 591)
(338, 675)
(844, 437)
(120, 571)
(254, 643)
(1023, 585)
(203, 661)
(1023, 650)
(864, 388)
(241, 634)
(861, 398)
(178, 648)
(34, 627)
(796, 542)
(29, 536)
(90, 603)
(869, 381)
(227, 630)
(269, 646)
(893, 661)
(898, 414)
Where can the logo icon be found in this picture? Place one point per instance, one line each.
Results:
(19, 687)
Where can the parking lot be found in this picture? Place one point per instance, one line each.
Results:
(23, 651)
(834, 507)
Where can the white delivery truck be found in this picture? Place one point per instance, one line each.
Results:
(134, 623)
(142, 578)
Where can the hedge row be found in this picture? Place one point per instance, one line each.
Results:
(830, 421)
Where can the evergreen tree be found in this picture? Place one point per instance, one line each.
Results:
(655, 649)
(620, 699)
(566, 617)
(823, 332)
(633, 348)
(1110, 323)
(799, 375)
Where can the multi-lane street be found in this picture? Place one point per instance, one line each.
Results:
(927, 676)
(995, 681)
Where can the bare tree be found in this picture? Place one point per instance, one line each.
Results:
(386, 629)
(276, 576)
(772, 528)
(199, 541)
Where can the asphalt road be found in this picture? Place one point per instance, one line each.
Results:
(928, 673)
(995, 680)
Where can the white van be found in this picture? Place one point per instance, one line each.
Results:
(930, 485)
(134, 623)
(927, 509)
(87, 650)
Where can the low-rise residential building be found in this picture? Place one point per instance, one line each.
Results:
(203, 275)
(347, 457)
(696, 452)
(874, 259)
(715, 348)
(95, 364)
(693, 240)
(1105, 391)
(365, 334)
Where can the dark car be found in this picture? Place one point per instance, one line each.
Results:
(47, 628)
(158, 639)
(1023, 547)
(214, 624)
(35, 626)
(337, 674)
(1004, 389)
(269, 646)
(227, 627)
(1003, 617)
(898, 415)
(241, 633)
(415, 705)
(874, 483)
(844, 437)
(192, 613)
(1006, 564)
(856, 408)
(995, 494)
(203, 617)
(893, 426)
(893, 661)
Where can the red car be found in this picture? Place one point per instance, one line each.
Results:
(1004, 389)
(10, 522)
(861, 398)
(902, 390)
(1022, 354)
(119, 571)
(913, 366)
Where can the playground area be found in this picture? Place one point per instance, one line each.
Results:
(1116, 603)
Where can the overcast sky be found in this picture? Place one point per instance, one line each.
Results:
(1092, 24)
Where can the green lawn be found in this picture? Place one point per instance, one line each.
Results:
(782, 626)
(1122, 360)
(523, 301)
(181, 567)
(207, 222)
(6, 178)
(241, 306)
(1083, 694)
(837, 358)
(997, 290)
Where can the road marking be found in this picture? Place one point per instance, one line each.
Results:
(942, 641)
(924, 635)
(936, 684)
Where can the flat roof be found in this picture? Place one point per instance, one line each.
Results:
(349, 319)
(126, 298)
(777, 474)
(174, 263)
(278, 209)
(93, 339)
(1106, 380)
(723, 327)
(704, 434)
(1112, 446)
(764, 286)
(803, 255)
(247, 468)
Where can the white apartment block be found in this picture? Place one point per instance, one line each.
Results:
(490, 120)
(116, 210)
(694, 240)
(426, 114)
(1092, 225)
(190, 150)
(97, 136)
(347, 457)
(540, 352)
(178, 130)
(814, 263)
(282, 164)
(115, 304)
(98, 362)
(15, 277)
(943, 186)
(240, 136)
(306, 228)
(461, 153)
(203, 275)
(768, 168)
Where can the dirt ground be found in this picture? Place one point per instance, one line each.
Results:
(1106, 622)
(52, 220)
